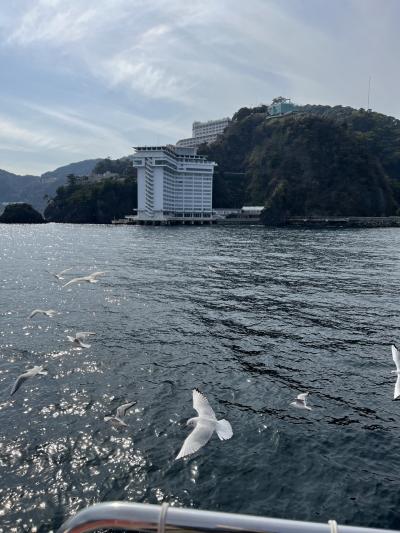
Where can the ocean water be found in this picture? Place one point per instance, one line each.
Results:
(278, 313)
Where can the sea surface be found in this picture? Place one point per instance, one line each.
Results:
(250, 316)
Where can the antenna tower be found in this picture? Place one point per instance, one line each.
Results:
(369, 92)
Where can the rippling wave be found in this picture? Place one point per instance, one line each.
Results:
(251, 316)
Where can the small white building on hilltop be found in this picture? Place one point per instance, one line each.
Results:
(174, 184)
(205, 132)
(281, 106)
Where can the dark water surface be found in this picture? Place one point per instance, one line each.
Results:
(283, 312)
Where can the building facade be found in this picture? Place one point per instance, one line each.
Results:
(205, 132)
(174, 183)
(281, 106)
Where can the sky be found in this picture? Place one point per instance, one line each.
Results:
(92, 78)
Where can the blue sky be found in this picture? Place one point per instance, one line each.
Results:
(92, 78)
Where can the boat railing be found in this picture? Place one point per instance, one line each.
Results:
(122, 516)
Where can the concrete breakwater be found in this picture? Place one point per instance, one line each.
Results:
(343, 222)
(300, 222)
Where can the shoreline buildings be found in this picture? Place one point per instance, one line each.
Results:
(174, 184)
(205, 132)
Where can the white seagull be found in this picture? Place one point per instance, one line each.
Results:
(396, 359)
(121, 411)
(60, 275)
(50, 313)
(26, 375)
(301, 401)
(204, 426)
(79, 337)
(90, 278)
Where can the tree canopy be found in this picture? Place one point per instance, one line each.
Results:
(316, 161)
(95, 203)
(21, 214)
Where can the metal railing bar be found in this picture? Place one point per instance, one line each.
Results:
(146, 518)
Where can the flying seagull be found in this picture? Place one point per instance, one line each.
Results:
(60, 275)
(121, 411)
(79, 337)
(204, 426)
(91, 278)
(301, 401)
(26, 375)
(50, 313)
(396, 359)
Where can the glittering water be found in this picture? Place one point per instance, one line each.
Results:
(280, 312)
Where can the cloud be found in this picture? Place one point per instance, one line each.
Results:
(26, 138)
(152, 80)
(97, 76)
(49, 21)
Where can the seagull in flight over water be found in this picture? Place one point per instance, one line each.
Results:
(26, 375)
(60, 275)
(396, 359)
(90, 278)
(79, 337)
(50, 313)
(121, 411)
(204, 426)
(301, 401)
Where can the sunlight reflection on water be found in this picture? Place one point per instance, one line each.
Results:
(279, 312)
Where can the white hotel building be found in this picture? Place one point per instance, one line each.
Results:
(205, 132)
(174, 184)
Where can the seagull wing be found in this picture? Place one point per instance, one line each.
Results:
(396, 357)
(119, 421)
(18, 382)
(74, 280)
(397, 388)
(50, 313)
(303, 397)
(115, 421)
(196, 440)
(83, 344)
(95, 274)
(122, 409)
(201, 405)
(64, 271)
(84, 334)
(35, 312)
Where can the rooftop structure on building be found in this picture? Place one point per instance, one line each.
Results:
(205, 132)
(174, 184)
(281, 106)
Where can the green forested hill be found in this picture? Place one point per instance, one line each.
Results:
(381, 133)
(93, 203)
(83, 201)
(318, 161)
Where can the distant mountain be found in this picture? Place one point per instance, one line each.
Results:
(12, 186)
(81, 168)
(36, 190)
